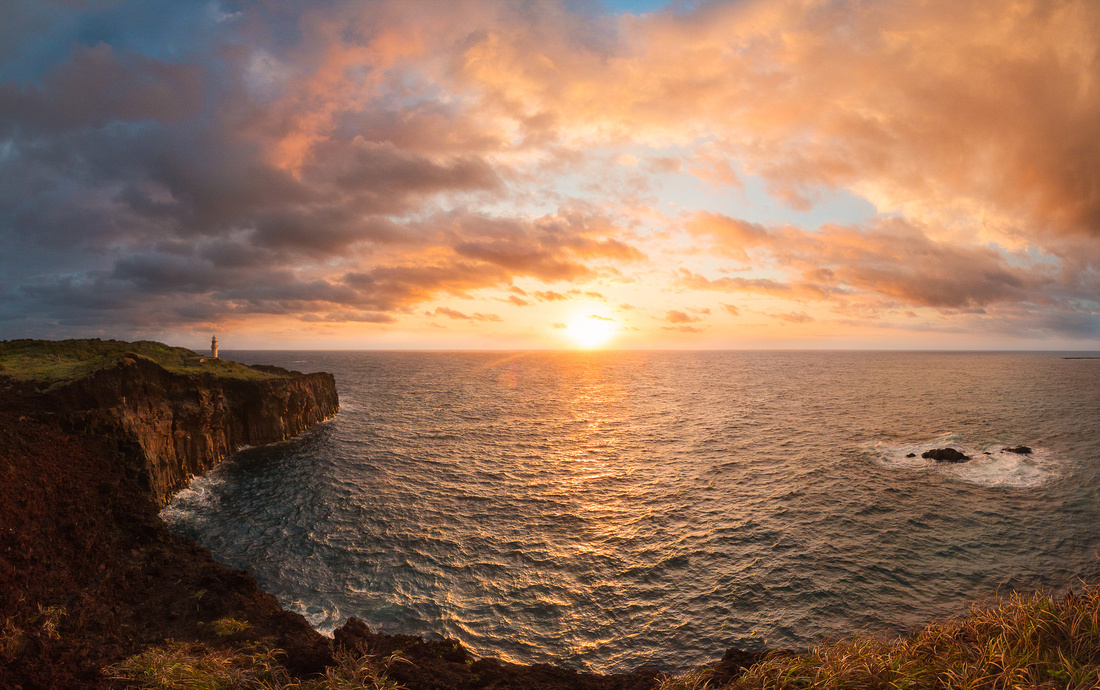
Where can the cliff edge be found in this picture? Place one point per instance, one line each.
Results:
(170, 427)
(171, 414)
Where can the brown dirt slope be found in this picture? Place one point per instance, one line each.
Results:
(90, 574)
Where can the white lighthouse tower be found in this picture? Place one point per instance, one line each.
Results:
(214, 347)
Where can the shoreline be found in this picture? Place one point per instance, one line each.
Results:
(102, 584)
(100, 579)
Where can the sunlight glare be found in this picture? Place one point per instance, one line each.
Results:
(590, 330)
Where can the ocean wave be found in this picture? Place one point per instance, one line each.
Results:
(597, 514)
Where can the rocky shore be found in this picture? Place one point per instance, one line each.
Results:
(92, 576)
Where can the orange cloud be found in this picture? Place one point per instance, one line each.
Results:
(933, 108)
(356, 162)
(455, 314)
(894, 259)
(677, 316)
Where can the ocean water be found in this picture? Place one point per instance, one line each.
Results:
(606, 510)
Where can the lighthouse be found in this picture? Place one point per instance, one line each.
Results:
(214, 347)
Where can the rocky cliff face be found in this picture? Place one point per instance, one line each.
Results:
(171, 427)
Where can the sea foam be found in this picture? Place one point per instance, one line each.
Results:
(989, 464)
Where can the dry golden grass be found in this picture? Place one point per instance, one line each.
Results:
(180, 666)
(1027, 641)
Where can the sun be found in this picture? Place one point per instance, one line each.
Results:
(590, 330)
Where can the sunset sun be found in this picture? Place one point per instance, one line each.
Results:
(590, 330)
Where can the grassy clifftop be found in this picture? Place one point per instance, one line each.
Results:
(55, 362)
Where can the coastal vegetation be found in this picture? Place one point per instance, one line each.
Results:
(55, 362)
(184, 666)
(1025, 641)
(1036, 640)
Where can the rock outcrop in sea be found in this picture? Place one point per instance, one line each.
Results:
(945, 455)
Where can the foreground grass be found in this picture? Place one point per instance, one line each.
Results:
(183, 666)
(1028, 641)
(58, 361)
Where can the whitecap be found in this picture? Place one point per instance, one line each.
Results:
(989, 464)
(200, 492)
(1002, 468)
(323, 619)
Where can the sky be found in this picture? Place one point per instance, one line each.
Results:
(552, 174)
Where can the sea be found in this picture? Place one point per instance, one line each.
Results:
(608, 510)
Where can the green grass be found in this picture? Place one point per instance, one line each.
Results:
(1027, 641)
(55, 362)
(224, 627)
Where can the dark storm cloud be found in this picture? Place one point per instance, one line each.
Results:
(97, 86)
(145, 166)
(167, 273)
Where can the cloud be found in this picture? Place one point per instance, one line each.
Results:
(550, 296)
(932, 108)
(677, 316)
(792, 317)
(695, 281)
(355, 162)
(98, 85)
(551, 248)
(345, 316)
(453, 314)
(892, 259)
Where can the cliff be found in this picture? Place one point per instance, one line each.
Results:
(170, 426)
(94, 437)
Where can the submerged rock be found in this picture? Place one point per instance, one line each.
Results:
(910, 455)
(945, 455)
(1021, 450)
